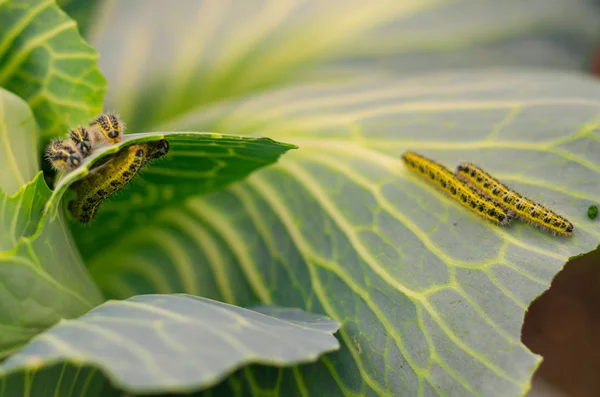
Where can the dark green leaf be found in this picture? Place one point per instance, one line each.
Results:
(157, 343)
(61, 380)
(45, 61)
(85, 12)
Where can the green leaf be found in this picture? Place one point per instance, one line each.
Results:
(298, 316)
(197, 163)
(43, 278)
(432, 297)
(204, 51)
(85, 12)
(20, 214)
(157, 343)
(65, 379)
(45, 61)
(19, 145)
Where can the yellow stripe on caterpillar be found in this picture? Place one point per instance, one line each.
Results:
(105, 180)
(512, 201)
(63, 155)
(82, 140)
(444, 179)
(108, 127)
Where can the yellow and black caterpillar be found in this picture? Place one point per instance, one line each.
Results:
(108, 127)
(513, 202)
(63, 155)
(68, 154)
(82, 140)
(444, 179)
(105, 180)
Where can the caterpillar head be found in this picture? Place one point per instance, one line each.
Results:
(157, 149)
(63, 155)
(82, 140)
(108, 127)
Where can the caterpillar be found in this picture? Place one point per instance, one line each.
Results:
(83, 141)
(69, 153)
(63, 155)
(108, 127)
(526, 209)
(157, 149)
(444, 179)
(107, 179)
(104, 182)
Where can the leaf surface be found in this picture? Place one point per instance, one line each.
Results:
(19, 143)
(197, 163)
(174, 342)
(204, 51)
(84, 12)
(63, 379)
(43, 278)
(432, 297)
(20, 214)
(45, 61)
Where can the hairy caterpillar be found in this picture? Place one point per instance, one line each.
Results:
(68, 154)
(523, 207)
(107, 179)
(108, 127)
(444, 179)
(83, 141)
(156, 149)
(63, 155)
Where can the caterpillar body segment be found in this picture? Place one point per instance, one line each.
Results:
(464, 194)
(526, 209)
(104, 181)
